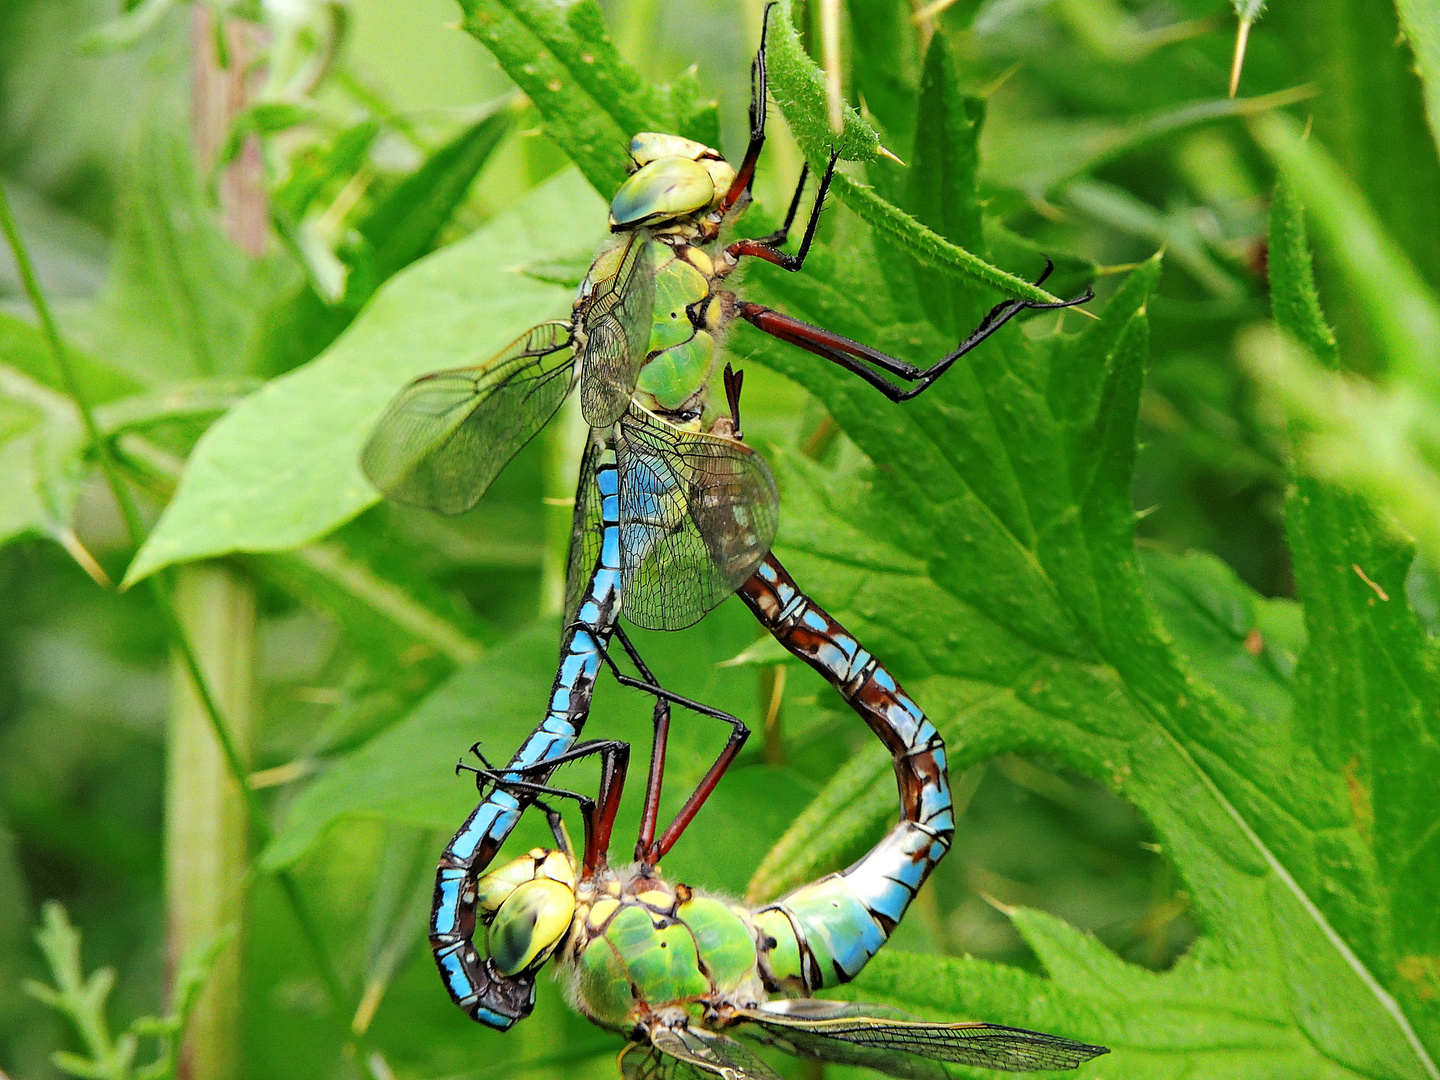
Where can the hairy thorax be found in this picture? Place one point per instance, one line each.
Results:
(641, 948)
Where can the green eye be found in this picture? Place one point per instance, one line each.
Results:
(669, 187)
(529, 925)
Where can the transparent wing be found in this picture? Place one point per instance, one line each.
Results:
(585, 533)
(692, 1054)
(875, 1036)
(617, 329)
(697, 515)
(447, 435)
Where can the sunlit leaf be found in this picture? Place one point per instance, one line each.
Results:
(282, 469)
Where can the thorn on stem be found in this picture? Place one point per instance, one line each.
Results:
(1242, 38)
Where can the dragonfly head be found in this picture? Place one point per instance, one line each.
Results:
(527, 906)
(674, 178)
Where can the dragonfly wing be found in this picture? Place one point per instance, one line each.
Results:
(586, 534)
(688, 1053)
(698, 514)
(447, 435)
(617, 330)
(888, 1042)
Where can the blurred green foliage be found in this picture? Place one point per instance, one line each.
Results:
(1197, 744)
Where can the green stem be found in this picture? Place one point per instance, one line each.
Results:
(207, 844)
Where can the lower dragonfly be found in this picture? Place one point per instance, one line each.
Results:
(608, 926)
(680, 972)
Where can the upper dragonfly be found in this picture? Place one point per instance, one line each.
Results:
(641, 342)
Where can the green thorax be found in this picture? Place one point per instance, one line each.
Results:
(642, 946)
(681, 355)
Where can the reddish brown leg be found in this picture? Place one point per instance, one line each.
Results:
(646, 848)
(854, 357)
(655, 780)
(697, 797)
(612, 785)
(766, 247)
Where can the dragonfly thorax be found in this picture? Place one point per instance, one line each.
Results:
(641, 948)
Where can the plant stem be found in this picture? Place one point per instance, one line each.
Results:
(206, 847)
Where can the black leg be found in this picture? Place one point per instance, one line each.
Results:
(745, 175)
(659, 691)
(598, 814)
(764, 248)
(855, 357)
(780, 235)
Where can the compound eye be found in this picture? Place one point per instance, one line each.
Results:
(668, 188)
(529, 925)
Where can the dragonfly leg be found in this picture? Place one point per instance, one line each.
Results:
(767, 247)
(661, 725)
(647, 849)
(778, 237)
(598, 813)
(759, 84)
(856, 358)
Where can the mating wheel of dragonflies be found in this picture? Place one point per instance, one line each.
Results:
(670, 519)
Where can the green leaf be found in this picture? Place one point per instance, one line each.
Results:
(944, 190)
(23, 347)
(1369, 691)
(886, 69)
(798, 86)
(401, 228)
(1403, 312)
(125, 31)
(42, 447)
(329, 575)
(1371, 119)
(1040, 155)
(181, 300)
(1293, 300)
(988, 557)
(282, 469)
(190, 398)
(1420, 21)
(264, 118)
(404, 225)
(533, 45)
(1245, 645)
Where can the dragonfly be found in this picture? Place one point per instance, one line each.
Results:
(669, 518)
(688, 977)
